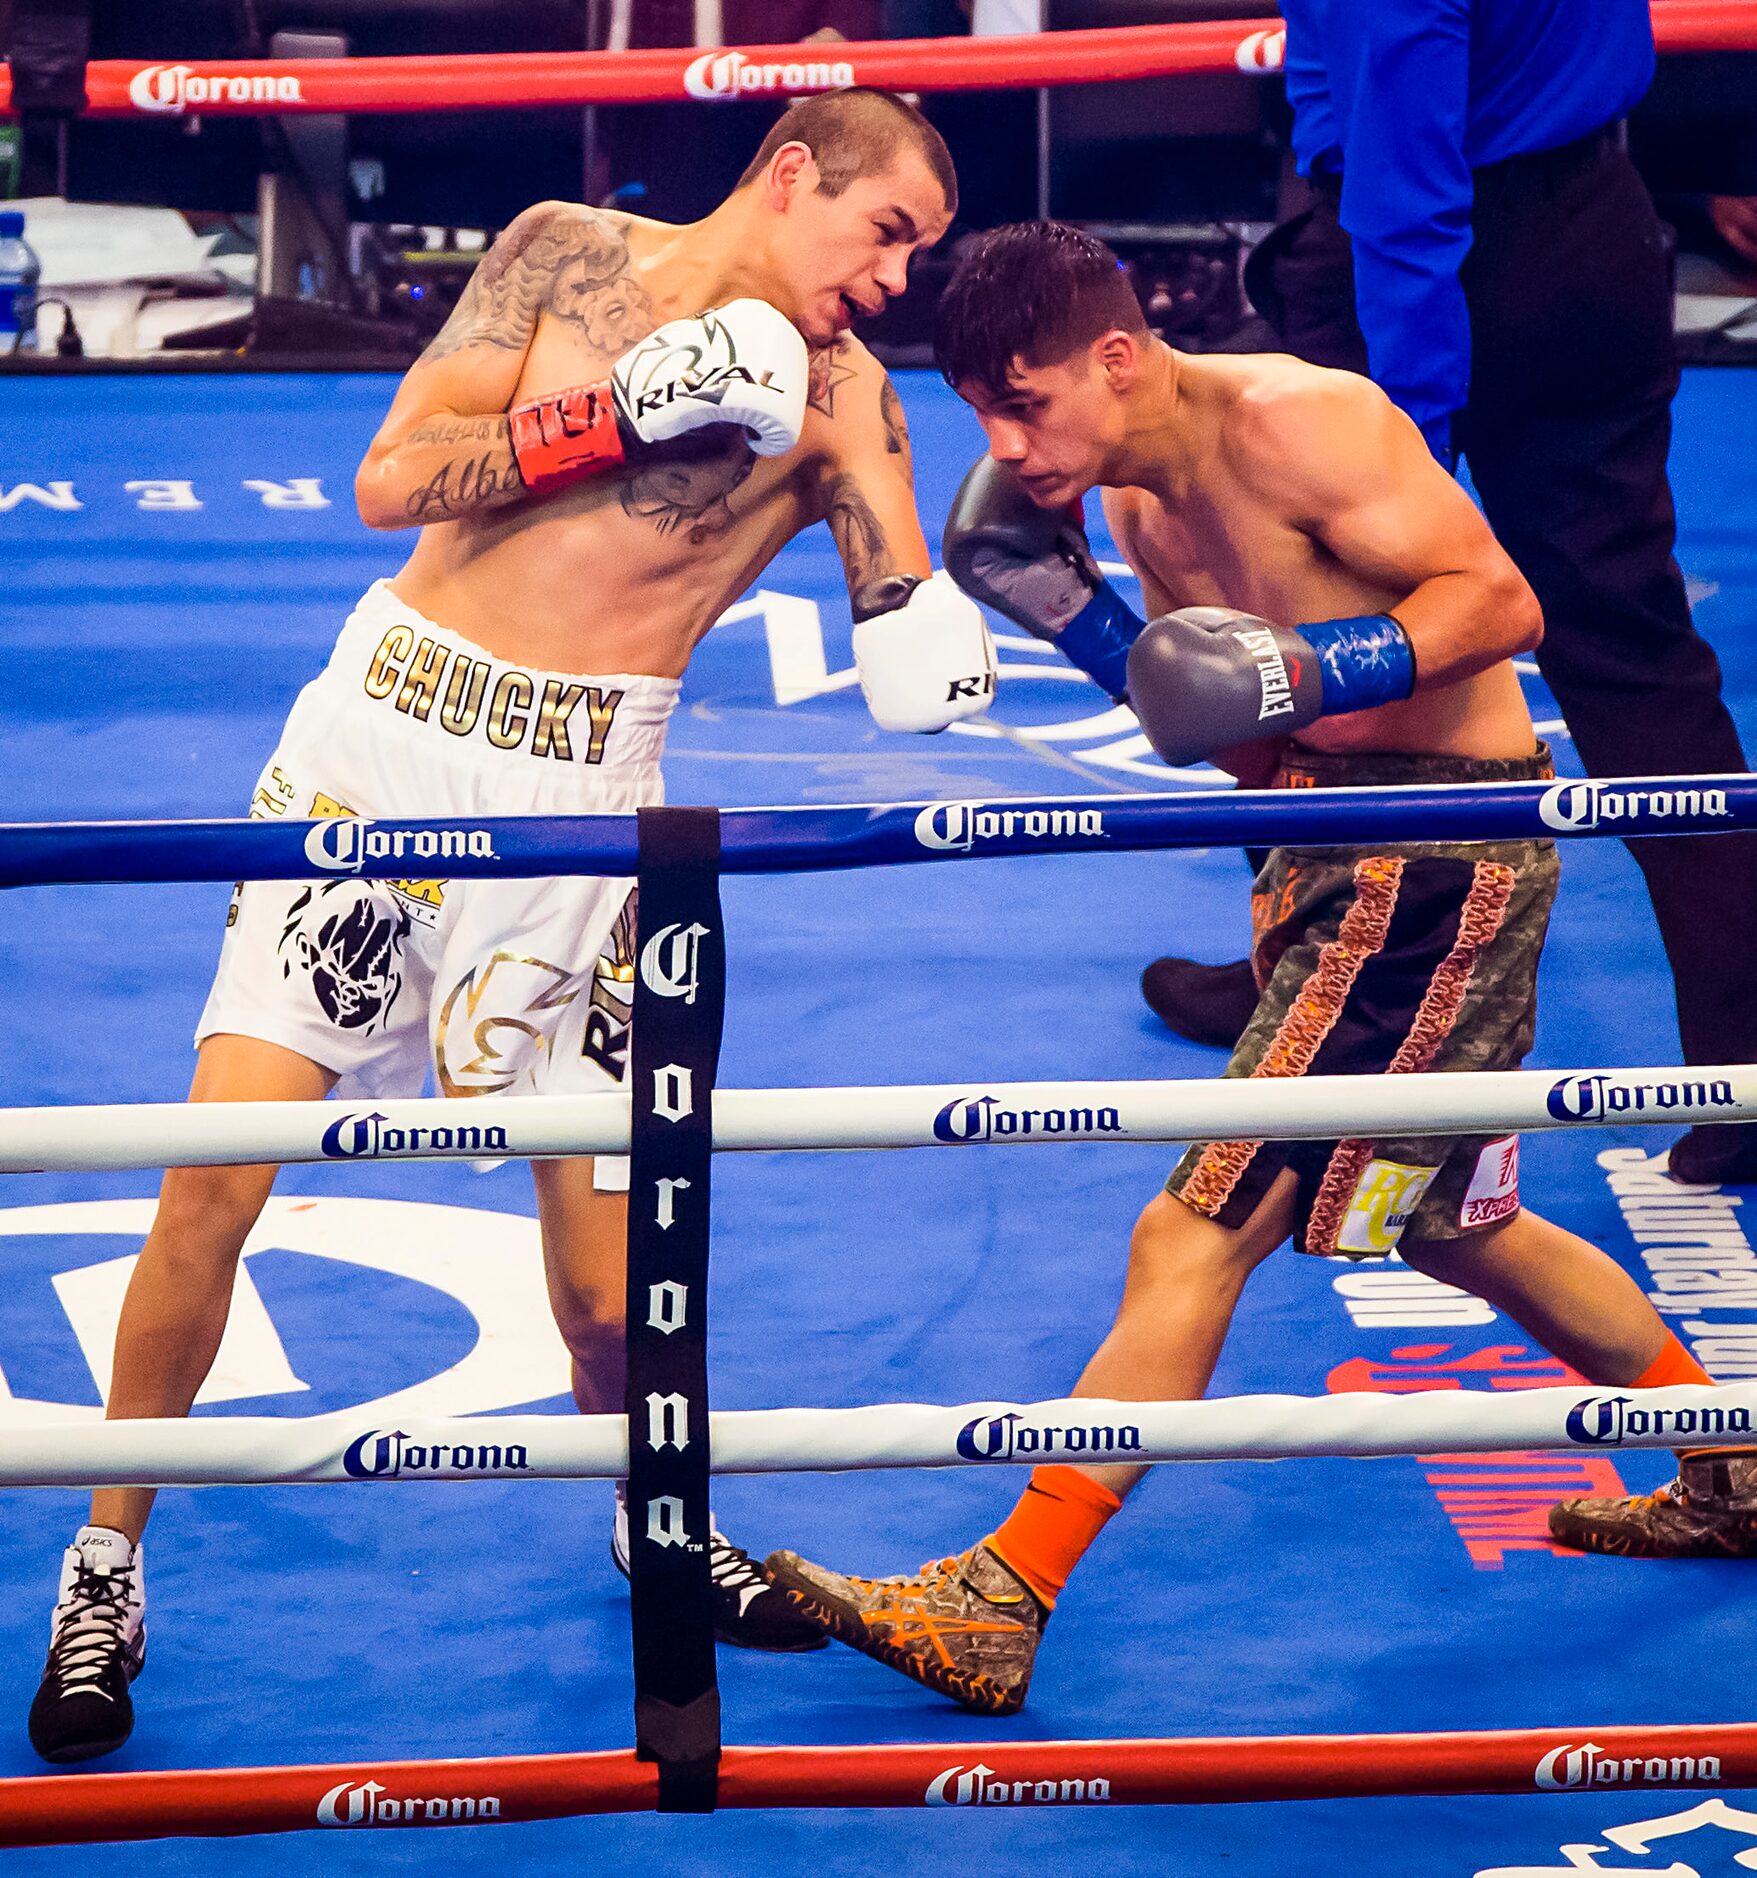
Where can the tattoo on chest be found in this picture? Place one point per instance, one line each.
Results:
(897, 429)
(570, 263)
(692, 491)
(829, 369)
(860, 535)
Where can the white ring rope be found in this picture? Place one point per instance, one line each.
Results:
(261, 1451)
(225, 1134)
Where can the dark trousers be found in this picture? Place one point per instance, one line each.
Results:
(1566, 434)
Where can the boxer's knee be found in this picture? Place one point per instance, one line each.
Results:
(206, 1213)
(1173, 1244)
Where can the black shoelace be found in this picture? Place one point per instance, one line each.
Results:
(92, 1633)
(729, 1566)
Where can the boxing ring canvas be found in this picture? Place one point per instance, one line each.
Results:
(179, 553)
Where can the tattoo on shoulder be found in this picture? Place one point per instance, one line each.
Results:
(828, 371)
(860, 535)
(570, 263)
(896, 429)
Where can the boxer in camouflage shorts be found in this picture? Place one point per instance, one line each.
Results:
(1250, 492)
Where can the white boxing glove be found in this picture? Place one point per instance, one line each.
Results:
(743, 363)
(927, 661)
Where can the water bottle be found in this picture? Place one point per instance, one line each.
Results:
(19, 270)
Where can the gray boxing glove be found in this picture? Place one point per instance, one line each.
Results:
(1207, 677)
(1034, 566)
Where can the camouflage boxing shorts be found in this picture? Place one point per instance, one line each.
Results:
(1420, 957)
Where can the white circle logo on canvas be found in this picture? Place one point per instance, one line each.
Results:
(489, 1262)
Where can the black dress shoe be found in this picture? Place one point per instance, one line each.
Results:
(1209, 1004)
(1723, 1155)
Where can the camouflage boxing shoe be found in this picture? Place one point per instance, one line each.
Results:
(1709, 1511)
(965, 1626)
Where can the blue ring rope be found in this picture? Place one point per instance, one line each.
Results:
(814, 839)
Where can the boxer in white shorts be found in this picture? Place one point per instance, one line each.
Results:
(620, 425)
(484, 987)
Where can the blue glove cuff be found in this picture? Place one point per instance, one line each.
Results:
(1363, 661)
(1098, 637)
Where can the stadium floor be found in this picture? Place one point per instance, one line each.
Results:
(153, 641)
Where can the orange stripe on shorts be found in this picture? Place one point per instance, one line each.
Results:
(1480, 919)
(1310, 1018)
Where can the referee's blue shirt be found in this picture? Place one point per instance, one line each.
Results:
(1406, 98)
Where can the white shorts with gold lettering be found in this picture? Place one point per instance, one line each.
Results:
(494, 987)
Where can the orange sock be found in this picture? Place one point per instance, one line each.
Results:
(1673, 1365)
(1058, 1516)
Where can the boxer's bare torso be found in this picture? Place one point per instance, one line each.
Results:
(1255, 513)
(624, 573)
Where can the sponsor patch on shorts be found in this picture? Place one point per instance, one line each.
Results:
(1493, 1193)
(1384, 1198)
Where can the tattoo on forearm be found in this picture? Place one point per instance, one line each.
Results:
(860, 535)
(828, 370)
(461, 485)
(897, 430)
(456, 430)
(570, 263)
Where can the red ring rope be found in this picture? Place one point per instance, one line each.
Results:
(58, 1810)
(260, 87)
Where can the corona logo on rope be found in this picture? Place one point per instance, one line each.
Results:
(1589, 1766)
(343, 844)
(379, 1454)
(981, 1118)
(1608, 1421)
(979, 1786)
(178, 88)
(1261, 51)
(947, 827)
(365, 1803)
(1574, 807)
(368, 1138)
(1005, 1437)
(732, 75)
(1588, 1098)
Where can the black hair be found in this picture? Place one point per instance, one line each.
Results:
(857, 132)
(1034, 292)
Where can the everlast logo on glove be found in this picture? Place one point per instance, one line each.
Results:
(1259, 642)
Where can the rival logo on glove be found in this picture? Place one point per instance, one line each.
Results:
(660, 371)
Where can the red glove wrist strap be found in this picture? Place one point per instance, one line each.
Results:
(565, 435)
